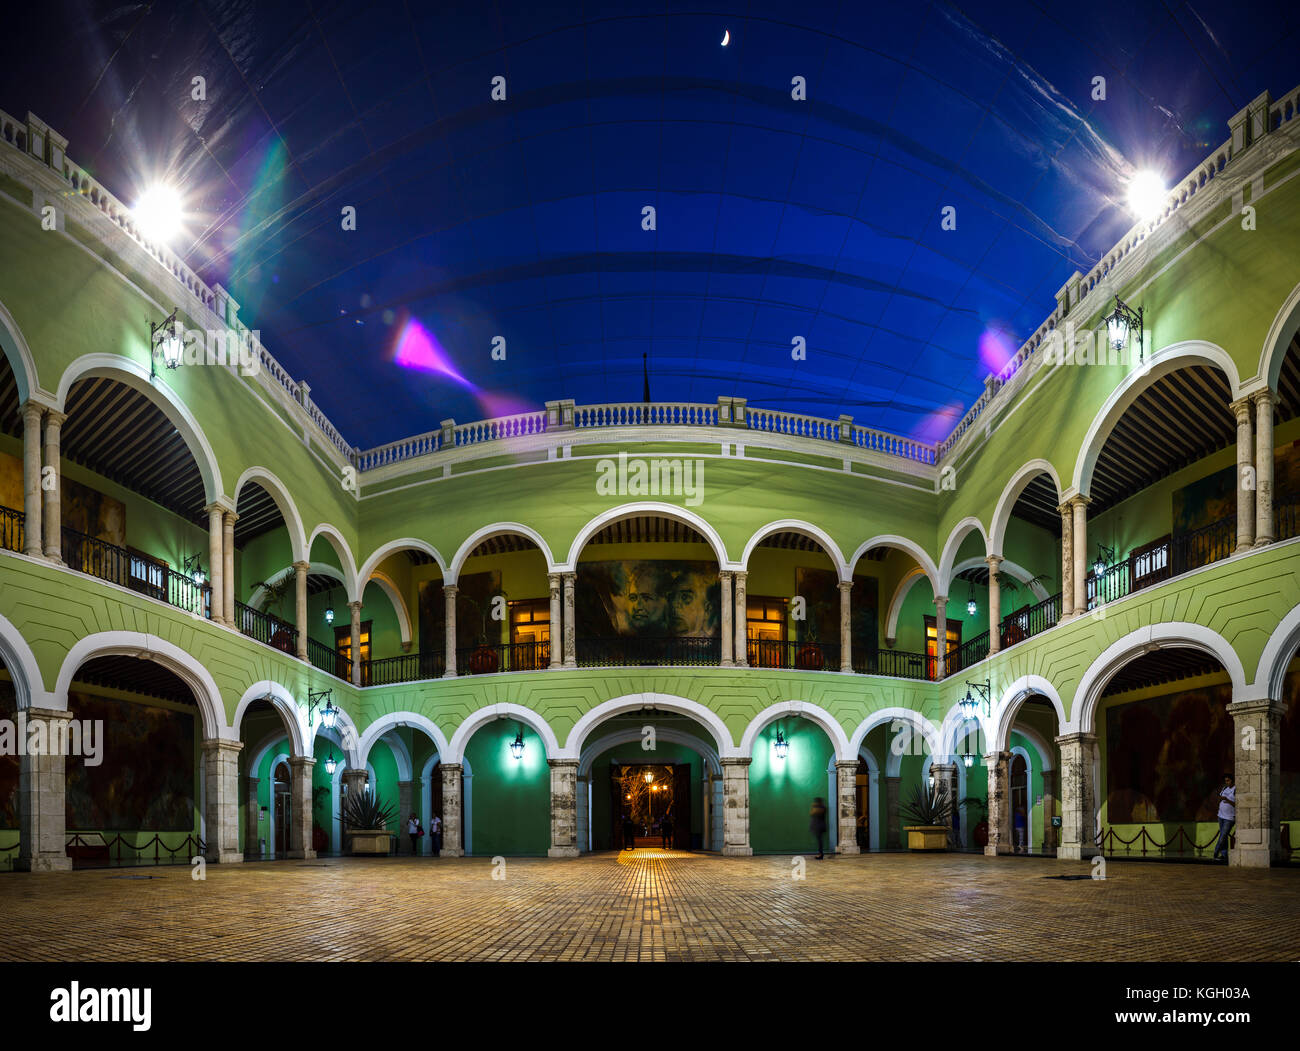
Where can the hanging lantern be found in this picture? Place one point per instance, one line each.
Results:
(517, 745)
(782, 745)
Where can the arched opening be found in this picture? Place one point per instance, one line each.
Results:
(792, 606)
(648, 592)
(900, 638)
(404, 581)
(1286, 446)
(133, 771)
(503, 605)
(406, 773)
(10, 770)
(277, 820)
(1027, 534)
(793, 765)
(505, 768)
(266, 546)
(679, 804)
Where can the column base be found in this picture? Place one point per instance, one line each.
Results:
(737, 852)
(34, 553)
(300, 855)
(849, 848)
(562, 852)
(449, 852)
(554, 665)
(1259, 857)
(1074, 852)
(1245, 545)
(44, 863)
(53, 560)
(1262, 541)
(228, 857)
(450, 675)
(570, 665)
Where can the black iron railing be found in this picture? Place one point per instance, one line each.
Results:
(1286, 516)
(328, 660)
(12, 529)
(620, 652)
(1200, 547)
(266, 628)
(805, 656)
(484, 658)
(117, 565)
(1032, 620)
(896, 663)
(972, 651)
(408, 667)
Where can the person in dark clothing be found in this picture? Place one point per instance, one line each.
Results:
(817, 825)
(666, 831)
(629, 832)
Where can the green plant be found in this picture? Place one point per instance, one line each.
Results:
(367, 811)
(1009, 583)
(275, 592)
(928, 807)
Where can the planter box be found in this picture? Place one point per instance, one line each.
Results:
(371, 841)
(927, 837)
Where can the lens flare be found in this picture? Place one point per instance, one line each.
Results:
(995, 350)
(158, 213)
(418, 348)
(1146, 195)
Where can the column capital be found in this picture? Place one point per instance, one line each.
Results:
(220, 744)
(845, 764)
(53, 417)
(1241, 409)
(220, 506)
(741, 574)
(726, 574)
(553, 579)
(302, 567)
(355, 607)
(736, 761)
(450, 768)
(299, 762)
(560, 763)
(1264, 396)
(991, 758)
(1079, 501)
(451, 589)
(47, 714)
(1261, 706)
(1076, 738)
(993, 560)
(941, 600)
(230, 518)
(845, 585)
(33, 410)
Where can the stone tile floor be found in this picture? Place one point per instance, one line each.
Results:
(655, 905)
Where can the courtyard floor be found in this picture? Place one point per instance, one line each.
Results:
(655, 905)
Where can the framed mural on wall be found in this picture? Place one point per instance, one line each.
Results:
(146, 781)
(642, 598)
(1207, 500)
(474, 621)
(84, 509)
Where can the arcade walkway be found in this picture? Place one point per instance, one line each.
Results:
(655, 905)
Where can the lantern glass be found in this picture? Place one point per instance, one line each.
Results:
(329, 614)
(331, 764)
(517, 746)
(782, 746)
(329, 716)
(1117, 329)
(1099, 568)
(971, 607)
(197, 577)
(968, 759)
(170, 345)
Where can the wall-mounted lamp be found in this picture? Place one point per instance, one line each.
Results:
(968, 759)
(971, 705)
(164, 339)
(1104, 560)
(329, 714)
(1122, 323)
(782, 745)
(192, 569)
(517, 745)
(649, 776)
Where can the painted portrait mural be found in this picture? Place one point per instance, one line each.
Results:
(645, 609)
(474, 623)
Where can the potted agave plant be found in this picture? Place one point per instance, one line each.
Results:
(365, 822)
(931, 815)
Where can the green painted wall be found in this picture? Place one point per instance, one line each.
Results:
(511, 801)
(781, 791)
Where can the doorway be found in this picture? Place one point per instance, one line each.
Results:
(650, 795)
(283, 804)
(1019, 804)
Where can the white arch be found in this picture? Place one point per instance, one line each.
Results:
(1280, 334)
(496, 529)
(395, 719)
(1006, 568)
(647, 507)
(1161, 363)
(148, 647)
(812, 532)
(805, 710)
(1277, 655)
(389, 587)
(283, 702)
(1132, 646)
(1014, 696)
(401, 755)
(279, 493)
(900, 596)
(13, 344)
(912, 718)
(477, 720)
(903, 544)
(635, 702)
(632, 735)
(405, 544)
(259, 597)
(18, 658)
(136, 376)
(956, 536)
(344, 553)
(1011, 493)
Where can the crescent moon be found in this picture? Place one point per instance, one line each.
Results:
(726, 37)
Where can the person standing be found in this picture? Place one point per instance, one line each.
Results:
(666, 832)
(629, 832)
(414, 830)
(1022, 831)
(435, 835)
(1227, 816)
(817, 825)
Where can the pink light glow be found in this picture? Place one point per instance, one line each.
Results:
(418, 348)
(995, 350)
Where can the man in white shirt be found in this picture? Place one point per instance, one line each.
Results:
(435, 835)
(1227, 815)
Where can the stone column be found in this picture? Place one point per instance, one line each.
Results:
(228, 520)
(1080, 550)
(999, 818)
(570, 628)
(449, 593)
(252, 815)
(1257, 757)
(300, 606)
(557, 620)
(995, 604)
(1245, 469)
(51, 528)
(42, 831)
(300, 822)
(945, 780)
(354, 781)
(1264, 402)
(32, 479)
(1049, 810)
(564, 808)
(728, 626)
(583, 810)
(452, 843)
(741, 614)
(216, 566)
(846, 634)
(1078, 809)
(1067, 560)
(735, 808)
(404, 808)
(707, 788)
(221, 799)
(354, 608)
(941, 636)
(846, 784)
(893, 839)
